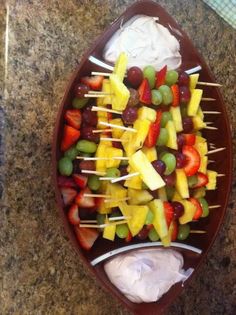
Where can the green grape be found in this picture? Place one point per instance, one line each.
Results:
(153, 236)
(113, 172)
(149, 217)
(170, 192)
(171, 77)
(93, 182)
(156, 97)
(79, 102)
(100, 218)
(163, 137)
(71, 153)
(166, 116)
(192, 181)
(167, 96)
(65, 166)
(198, 133)
(170, 162)
(183, 232)
(205, 207)
(122, 230)
(86, 146)
(149, 72)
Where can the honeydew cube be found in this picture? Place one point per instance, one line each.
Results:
(147, 113)
(120, 92)
(117, 133)
(181, 183)
(212, 179)
(142, 127)
(172, 137)
(139, 162)
(159, 219)
(177, 119)
(162, 194)
(193, 80)
(113, 152)
(109, 231)
(116, 191)
(198, 123)
(133, 182)
(189, 211)
(121, 66)
(139, 197)
(151, 153)
(127, 142)
(193, 104)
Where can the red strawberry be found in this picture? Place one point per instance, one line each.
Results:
(189, 138)
(145, 95)
(86, 236)
(202, 180)
(154, 131)
(161, 77)
(198, 207)
(94, 82)
(128, 237)
(65, 181)
(169, 212)
(68, 195)
(73, 214)
(83, 201)
(193, 160)
(175, 92)
(80, 180)
(73, 118)
(70, 136)
(174, 230)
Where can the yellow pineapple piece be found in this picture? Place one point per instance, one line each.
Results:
(148, 113)
(193, 104)
(172, 137)
(200, 139)
(148, 174)
(176, 196)
(101, 152)
(198, 123)
(181, 183)
(151, 153)
(203, 165)
(159, 220)
(139, 197)
(177, 119)
(117, 133)
(127, 142)
(120, 92)
(109, 231)
(142, 127)
(166, 241)
(121, 66)
(133, 182)
(201, 147)
(189, 211)
(113, 152)
(102, 119)
(117, 192)
(162, 194)
(106, 88)
(212, 180)
(200, 113)
(193, 80)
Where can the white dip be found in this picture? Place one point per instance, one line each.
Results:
(145, 275)
(146, 42)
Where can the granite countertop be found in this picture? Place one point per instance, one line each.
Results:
(39, 271)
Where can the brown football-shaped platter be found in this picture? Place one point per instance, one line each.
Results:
(223, 161)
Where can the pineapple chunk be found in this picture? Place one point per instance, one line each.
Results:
(200, 139)
(198, 123)
(147, 113)
(121, 93)
(201, 147)
(116, 191)
(150, 153)
(181, 183)
(193, 81)
(127, 142)
(203, 165)
(101, 152)
(139, 197)
(176, 196)
(212, 177)
(159, 220)
(193, 104)
(121, 66)
(177, 119)
(117, 133)
(106, 88)
(166, 241)
(189, 211)
(172, 137)
(109, 231)
(148, 174)
(110, 153)
(162, 194)
(133, 182)
(142, 127)
(200, 113)
(102, 119)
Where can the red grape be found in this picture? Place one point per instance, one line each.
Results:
(134, 98)
(143, 234)
(185, 94)
(187, 124)
(86, 132)
(159, 166)
(81, 89)
(183, 79)
(180, 160)
(134, 76)
(169, 179)
(180, 141)
(178, 209)
(89, 117)
(129, 115)
(87, 165)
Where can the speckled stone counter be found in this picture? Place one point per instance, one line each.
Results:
(39, 270)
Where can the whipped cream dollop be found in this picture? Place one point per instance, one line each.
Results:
(146, 42)
(145, 275)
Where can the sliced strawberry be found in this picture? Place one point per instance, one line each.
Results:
(173, 230)
(161, 77)
(65, 181)
(175, 92)
(128, 237)
(73, 118)
(83, 201)
(193, 160)
(94, 82)
(169, 212)
(73, 214)
(198, 207)
(70, 136)
(80, 180)
(145, 95)
(86, 236)
(189, 138)
(68, 195)
(202, 180)
(154, 131)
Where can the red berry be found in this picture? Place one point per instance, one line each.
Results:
(135, 76)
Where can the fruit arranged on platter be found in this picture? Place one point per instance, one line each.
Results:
(147, 129)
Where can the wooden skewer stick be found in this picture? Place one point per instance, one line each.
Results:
(208, 99)
(112, 139)
(197, 232)
(118, 179)
(104, 74)
(97, 195)
(210, 161)
(210, 128)
(99, 92)
(106, 178)
(95, 95)
(117, 199)
(119, 218)
(220, 175)
(104, 109)
(123, 158)
(100, 226)
(214, 207)
(93, 172)
(102, 123)
(79, 157)
(209, 123)
(215, 151)
(102, 130)
(208, 83)
(211, 112)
